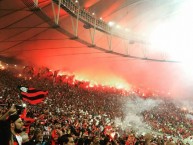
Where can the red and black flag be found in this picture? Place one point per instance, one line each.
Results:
(32, 95)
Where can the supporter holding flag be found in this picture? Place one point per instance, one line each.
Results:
(32, 95)
(11, 125)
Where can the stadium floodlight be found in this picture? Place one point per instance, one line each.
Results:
(111, 23)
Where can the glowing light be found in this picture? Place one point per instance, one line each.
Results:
(111, 23)
(60, 73)
(174, 35)
(15, 65)
(101, 18)
(24, 105)
(120, 86)
(91, 85)
(93, 14)
(110, 82)
(2, 67)
(184, 108)
(127, 30)
(112, 135)
(118, 26)
(20, 75)
(187, 69)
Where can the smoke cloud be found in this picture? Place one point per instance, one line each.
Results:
(185, 104)
(133, 118)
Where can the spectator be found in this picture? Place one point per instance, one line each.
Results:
(56, 133)
(16, 125)
(66, 139)
(38, 138)
(6, 137)
(78, 110)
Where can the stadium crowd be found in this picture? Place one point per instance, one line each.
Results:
(71, 114)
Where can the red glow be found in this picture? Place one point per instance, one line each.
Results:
(32, 40)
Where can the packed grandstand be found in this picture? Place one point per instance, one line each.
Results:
(93, 115)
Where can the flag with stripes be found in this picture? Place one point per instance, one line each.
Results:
(32, 95)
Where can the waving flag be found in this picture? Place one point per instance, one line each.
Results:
(32, 95)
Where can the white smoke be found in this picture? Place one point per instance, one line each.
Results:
(186, 104)
(189, 116)
(132, 109)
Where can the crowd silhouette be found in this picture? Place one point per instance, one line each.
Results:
(72, 114)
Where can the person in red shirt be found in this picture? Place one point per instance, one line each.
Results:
(56, 133)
